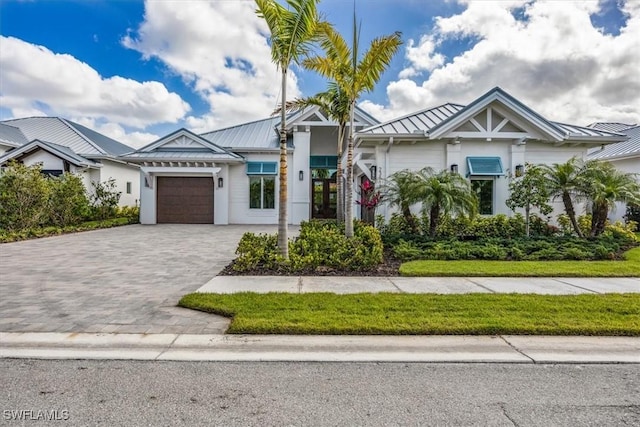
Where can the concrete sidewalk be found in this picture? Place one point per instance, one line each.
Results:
(455, 349)
(439, 285)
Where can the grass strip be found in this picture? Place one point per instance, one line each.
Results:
(423, 314)
(629, 267)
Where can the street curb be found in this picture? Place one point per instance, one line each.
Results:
(289, 348)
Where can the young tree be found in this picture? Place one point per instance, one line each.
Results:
(604, 185)
(402, 190)
(292, 30)
(530, 191)
(444, 193)
(564, 181)
(354, 74)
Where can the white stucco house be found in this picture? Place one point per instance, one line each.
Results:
(61, 145)
(229, 176)
(625, 155)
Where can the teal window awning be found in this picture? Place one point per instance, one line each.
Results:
(491, 166)
(262, 168)
(323, 162)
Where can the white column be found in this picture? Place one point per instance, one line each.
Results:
(300, 190)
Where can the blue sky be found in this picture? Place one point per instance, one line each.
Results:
(136, 70)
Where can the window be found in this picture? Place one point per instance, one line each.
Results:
(128, 187)
(484, 190)
(262, 192)
(485, 166)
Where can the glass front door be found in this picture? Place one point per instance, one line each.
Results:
(325, 198)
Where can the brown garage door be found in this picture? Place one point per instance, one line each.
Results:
(185, 200)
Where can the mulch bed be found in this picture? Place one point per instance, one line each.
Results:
(390, 267)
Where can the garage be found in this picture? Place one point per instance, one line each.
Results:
(184, 200)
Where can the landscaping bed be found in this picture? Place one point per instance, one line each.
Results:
(423, 314)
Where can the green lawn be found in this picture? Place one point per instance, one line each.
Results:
(630, 267)
(424, 314)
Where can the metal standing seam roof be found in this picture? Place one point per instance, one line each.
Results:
(421, 121)
(55, 149)
(628, 148)
(11, 135)
(252, 135)
(78, 138)
(582, 131)
(611, 126)
(180, 156)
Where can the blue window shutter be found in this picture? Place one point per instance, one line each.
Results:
(488, 166)
(262, 168)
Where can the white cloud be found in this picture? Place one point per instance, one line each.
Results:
(33, 78)
(555, 61)
(220, 48)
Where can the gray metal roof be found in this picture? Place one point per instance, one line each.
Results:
(78, 138)
(582, 131)
(181, 156)
(611, 126)
(10, 135)
(417, 122)
(252, 135)
(55, 149)
(628, 148)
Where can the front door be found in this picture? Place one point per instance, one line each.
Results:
(325, 198)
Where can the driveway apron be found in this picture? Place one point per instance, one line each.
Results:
(125, 279)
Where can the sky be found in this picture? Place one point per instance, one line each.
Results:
(138, 70)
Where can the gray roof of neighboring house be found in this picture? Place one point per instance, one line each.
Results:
(78, 138)
(611, 126)
(420, 121)
(581, 131)
(57, 150)
(255, 135)
(10, 135)
(628, 148)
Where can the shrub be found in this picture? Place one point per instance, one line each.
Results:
(319, 245)
(24, 197)
(256, 251)
(132, 213)
(104, 199)
(633, 213)
(68, 200)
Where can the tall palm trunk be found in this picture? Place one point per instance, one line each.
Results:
(598, 218)
(409, 218)
(283, 240)
(434, 218)
(571, 212)
(339, 179)
(348, 227)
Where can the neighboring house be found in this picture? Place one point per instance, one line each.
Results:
(625, 155)
(486, 141)
(229, 176)
(61, 145)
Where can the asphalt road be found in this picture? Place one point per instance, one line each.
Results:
(123, 393)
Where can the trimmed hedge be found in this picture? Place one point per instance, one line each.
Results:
(321, 244)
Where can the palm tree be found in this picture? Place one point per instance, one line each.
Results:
(292, 31)
(564, 180)
(444, 193)
(403, 190)
(335, 104)
(354, 75)
(604, 185)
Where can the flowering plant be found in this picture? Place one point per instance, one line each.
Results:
(369, 197)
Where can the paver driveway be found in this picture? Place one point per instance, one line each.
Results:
(125, 279)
